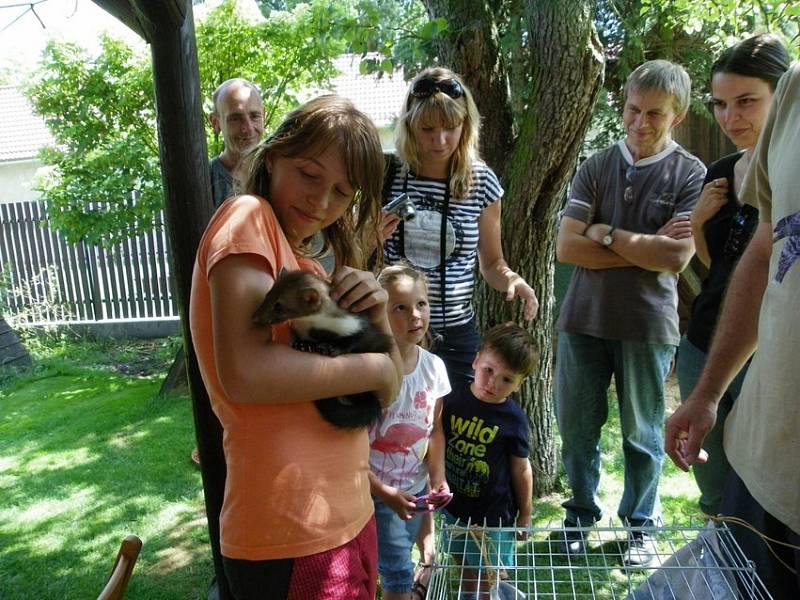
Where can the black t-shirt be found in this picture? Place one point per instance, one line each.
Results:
(480, 439)
(707, 305)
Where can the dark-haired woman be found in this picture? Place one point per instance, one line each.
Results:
(743, 80)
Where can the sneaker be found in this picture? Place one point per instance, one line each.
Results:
(642, 550)
(574, 540)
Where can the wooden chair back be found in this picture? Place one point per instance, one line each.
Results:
(122, 569)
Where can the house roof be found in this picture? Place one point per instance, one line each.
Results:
(380, 98)
(22, 133)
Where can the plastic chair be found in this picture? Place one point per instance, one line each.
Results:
(122, 569)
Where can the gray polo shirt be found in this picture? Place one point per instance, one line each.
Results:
(221, 182)
(629, 303)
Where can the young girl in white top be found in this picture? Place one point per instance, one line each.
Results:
(406, 451)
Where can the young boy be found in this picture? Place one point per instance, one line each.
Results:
(486, 456)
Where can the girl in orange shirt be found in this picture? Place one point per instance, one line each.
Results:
(297, 517)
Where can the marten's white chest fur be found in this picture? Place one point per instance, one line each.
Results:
(304, 299)
(342, 325)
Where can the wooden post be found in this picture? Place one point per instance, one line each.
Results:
(188, 208)
(169, 28)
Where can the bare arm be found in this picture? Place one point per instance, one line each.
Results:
(522, 483)
(573, 247)
(253, 369)
(493, 266)
(712, 198)
(653, 252)
(735, 340)
(435, 457)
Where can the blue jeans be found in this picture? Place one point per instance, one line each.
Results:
(711, 476)
(584, 366)
(395, 539)
(738, 502)
(457, 347)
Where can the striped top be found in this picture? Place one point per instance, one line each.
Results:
(422, 238)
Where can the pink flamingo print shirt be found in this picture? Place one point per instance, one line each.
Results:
(399, 440)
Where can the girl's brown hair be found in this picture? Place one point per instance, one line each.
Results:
(439, 108)
(307, 132)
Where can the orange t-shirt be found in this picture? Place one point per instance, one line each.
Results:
(296, 485)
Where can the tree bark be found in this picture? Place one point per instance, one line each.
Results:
(14, 356)
(549, 83)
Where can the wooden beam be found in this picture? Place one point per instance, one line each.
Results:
(145, 17)
(123, 10)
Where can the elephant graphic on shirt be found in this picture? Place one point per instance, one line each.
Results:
(478, 470)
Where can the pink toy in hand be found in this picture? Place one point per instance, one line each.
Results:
(433, 501)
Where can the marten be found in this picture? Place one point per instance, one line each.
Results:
(319, 325)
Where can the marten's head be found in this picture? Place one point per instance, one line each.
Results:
(295, 294)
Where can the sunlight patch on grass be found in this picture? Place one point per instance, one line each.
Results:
(78, 393)
(54, 461)
(124, 439)
(47, 509)
(86, 458)
(180, 525)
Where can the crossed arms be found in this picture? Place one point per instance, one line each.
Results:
(668, 250)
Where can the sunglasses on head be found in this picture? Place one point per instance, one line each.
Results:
(425, 88)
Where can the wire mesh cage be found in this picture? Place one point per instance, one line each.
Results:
(689, 562)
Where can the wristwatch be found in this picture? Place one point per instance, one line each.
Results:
(608, 238)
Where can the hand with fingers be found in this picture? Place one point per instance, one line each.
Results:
(687, 428)
(712, 198)
(519, 288)
(677, 228)
(388, 225)
(523, 524)
(402, 503)
(359, 292)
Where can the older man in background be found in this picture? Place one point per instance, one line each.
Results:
(238, 115)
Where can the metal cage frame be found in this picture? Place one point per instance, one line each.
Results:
(698, 561)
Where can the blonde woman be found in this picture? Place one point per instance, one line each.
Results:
(457, 200)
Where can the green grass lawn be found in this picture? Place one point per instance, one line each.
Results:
(89, 454)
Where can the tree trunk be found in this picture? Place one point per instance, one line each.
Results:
(14, 356)
(554, 77)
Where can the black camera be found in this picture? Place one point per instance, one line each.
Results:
(402, 206)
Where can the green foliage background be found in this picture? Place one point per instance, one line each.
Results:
(103, 182)
(689, 32)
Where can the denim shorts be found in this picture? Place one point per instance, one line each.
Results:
(478, 547)
(396, 537)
